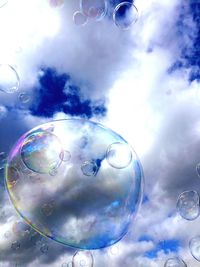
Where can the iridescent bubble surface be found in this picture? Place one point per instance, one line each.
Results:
(188, 205)
(95, 9)
(9, 79)
(87, 203)
(79, 18)
(194, 246)
(83, 259)
(125, 15)
(175, 262)
(41, 151)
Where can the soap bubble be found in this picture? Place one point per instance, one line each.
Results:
(89, 168)
(188, 205)
(95, 9)
(198, 169)
(41, 151)
(82, 259)
(9, 79)
(44, 248)
(194, 246)
(86, 192)
(79, 18)
(56, 3)
(119, 155)
(124, 15)
(24, 97)
(3, 160)
(175, 262)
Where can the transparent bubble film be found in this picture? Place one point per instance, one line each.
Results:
(87, 203)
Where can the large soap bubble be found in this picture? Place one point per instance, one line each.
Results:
(194, 246)
(125, 15)
(9, 79)
(63, 185)
(175, 262)
(188, 205)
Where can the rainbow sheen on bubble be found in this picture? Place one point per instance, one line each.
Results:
(87, 203)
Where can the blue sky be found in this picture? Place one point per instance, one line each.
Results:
(142, 82)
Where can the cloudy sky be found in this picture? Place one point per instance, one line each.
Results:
(142, 82)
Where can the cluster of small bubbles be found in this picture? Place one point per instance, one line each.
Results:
(125, 15)
(194, 246)
(89, 168)
(79, 18)
(15, 245)
(3, 3)
(3, 160)
(41, 152)
(119, 155)
(44, 248)
(9, 79)
(188, 205)
(56, 146)
(83, 259)
(56, 3)
(198, 169)
(175, 262)
(24, 97)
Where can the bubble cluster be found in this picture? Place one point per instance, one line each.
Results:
(90, 188)
(9, 79)
(125, 15)
(188, 205)
(94, 9)
(194, 246)
(83, 259)
(175, 262)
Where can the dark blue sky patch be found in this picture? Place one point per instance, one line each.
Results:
(167, 246)
(55, 93)
(190, 39)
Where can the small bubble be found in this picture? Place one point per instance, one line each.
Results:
(24, 97)
(194, 246)
(119, 155)
(47, 209)
(175, 262)
(66, 156)
(83, 259)
(79, 18)
(53, 171)
(125, 15)
(44, 248)
(198, 169)
(89, 168)
(9, 79)
(15, 245)
(188, 205)
(3, 160)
